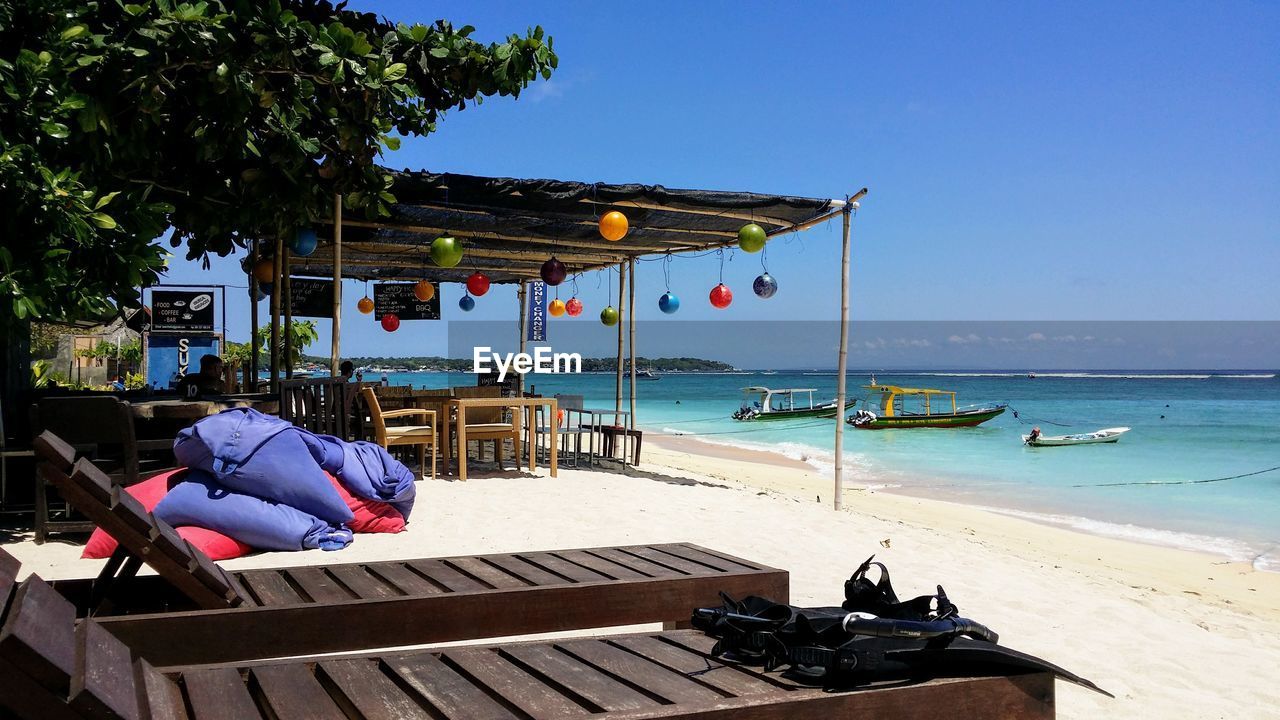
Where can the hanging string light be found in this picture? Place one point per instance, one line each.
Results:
(668, 303)
(721, 296)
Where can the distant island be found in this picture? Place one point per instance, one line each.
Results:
(442, 364)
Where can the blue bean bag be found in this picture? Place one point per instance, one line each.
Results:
(201, 501)
(365, 469)
(264, 456)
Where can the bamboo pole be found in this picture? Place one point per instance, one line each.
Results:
(523, 294)
(254, 346)
(631, 331)
(558, 242)
(617, 387)
(842, 364)
(335, 328)
(286, 285)
(276, 268)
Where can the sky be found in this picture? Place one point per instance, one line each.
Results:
(1025, 161)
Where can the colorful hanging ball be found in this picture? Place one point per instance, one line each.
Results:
(466, 303)
(424, 291)
(265, 289)
(303, 243)
(613, 226)
(365, 305)
(390, 322)
(751, 238)
(261, 295)
(668, 303)
(765, 286)
(553, 272)
(609, 316)
(573, 307)
(446, 251)
(265, 270)
(556, 308)
(478, 283)
(721, 296)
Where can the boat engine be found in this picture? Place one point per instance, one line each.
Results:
(862, 417)
(744, 413)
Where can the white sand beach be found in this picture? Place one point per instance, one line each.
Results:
(1173, 634)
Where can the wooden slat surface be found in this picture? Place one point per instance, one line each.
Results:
(513, 684)
(164, 697)
(360, 582)
(563, 568)
(607, 568)
(404, 579)
(450, 694)
(637, 563)
(270, 587)
(219, 694)
(39, 634)
(318, 585)
(291, 692)
(486, 573)
(444, 575)
(600, 689)
(369, 692)
(103, 683)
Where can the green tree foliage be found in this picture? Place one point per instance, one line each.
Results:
(304, 333)
(219, 121)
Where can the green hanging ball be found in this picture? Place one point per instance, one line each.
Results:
(751, 238)
(609, 316)
(446, 251)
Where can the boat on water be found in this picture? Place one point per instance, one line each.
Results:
(647, 374)
(890, 406)
(1107, 435)
(762, 403)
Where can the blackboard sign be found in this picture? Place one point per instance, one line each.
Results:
(311, 298)
(182, 310)
(398, 299)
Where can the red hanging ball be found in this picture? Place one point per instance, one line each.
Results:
(573, 307)
(721, 296)
(390, 322)
(478, 283)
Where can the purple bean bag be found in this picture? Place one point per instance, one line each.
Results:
(365, 469)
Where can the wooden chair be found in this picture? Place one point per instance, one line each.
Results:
(387, 436)
(186, 613)
(489, 423)
(55, 668)
(570, 426)
(317, 404)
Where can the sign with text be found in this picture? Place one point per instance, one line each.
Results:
(398, 299)
(535, 326)
(311, 298)
(169, 357)
(182, 310)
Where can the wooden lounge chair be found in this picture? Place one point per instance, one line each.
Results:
(334, 608)
(53, 668)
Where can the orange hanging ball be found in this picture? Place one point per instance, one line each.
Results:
(424, 291)
(265, 270)
(556, 308)
(613, 226)
(365, 305)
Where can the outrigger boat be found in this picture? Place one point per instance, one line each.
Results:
(762, 403)
(1108, 435)
(886, 406)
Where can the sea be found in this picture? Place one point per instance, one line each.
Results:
(1199, 469)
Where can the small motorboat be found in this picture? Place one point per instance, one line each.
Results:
(1109, 435)
(762, 403)
(890, 406)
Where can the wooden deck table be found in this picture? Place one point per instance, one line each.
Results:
(167, 408)
(523, 406)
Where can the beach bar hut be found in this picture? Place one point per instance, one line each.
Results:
(510, 227)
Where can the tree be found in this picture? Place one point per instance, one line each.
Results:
(303, 334)
(221, 120)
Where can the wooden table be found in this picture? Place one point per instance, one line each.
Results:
(181, 409)
(525, 405)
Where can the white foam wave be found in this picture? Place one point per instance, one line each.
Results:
(1081, 375)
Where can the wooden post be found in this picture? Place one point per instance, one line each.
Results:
(617, 387)
(335, 328)
(277, 267)
(286, 283)
(254, 347)
(523, 294)
(631, 339)
(842, 364)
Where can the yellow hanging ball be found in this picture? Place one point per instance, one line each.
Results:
(556, 308)
(365, 305)
(265, 270)
(613, 226)
(424, 291)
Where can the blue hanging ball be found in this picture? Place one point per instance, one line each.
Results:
(265, 289)
(668, 303)
(467, 303)
(765, 286)
(261, 295)
(303, 243)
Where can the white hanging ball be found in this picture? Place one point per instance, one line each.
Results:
(856, 205)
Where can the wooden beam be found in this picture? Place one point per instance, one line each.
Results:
(617, 388)
(423, 254)
(286, 284)
(335, 327)
(843, 361)
(277, 268)
(254, 346)
(631, 341)
(487, 235)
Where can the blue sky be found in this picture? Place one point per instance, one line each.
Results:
(1026, 161)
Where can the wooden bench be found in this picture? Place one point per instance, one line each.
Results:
(53, 668)
(332, 608)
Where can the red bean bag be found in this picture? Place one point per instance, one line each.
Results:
(372, 516)
(149, 492)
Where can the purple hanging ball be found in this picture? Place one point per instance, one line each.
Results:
(765, 286)
(553, 272)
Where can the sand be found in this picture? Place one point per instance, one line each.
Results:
(1173, 634)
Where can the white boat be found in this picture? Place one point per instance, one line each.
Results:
(1109, 435)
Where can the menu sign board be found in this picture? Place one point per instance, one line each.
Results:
(398, 299)
(182, 310)
(311, 298)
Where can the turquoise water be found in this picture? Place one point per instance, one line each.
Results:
(1186, 426)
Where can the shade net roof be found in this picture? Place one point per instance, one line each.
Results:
(510, 227)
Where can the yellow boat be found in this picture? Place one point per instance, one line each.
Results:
(890, 406)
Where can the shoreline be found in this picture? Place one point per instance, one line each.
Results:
(1227, 583)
